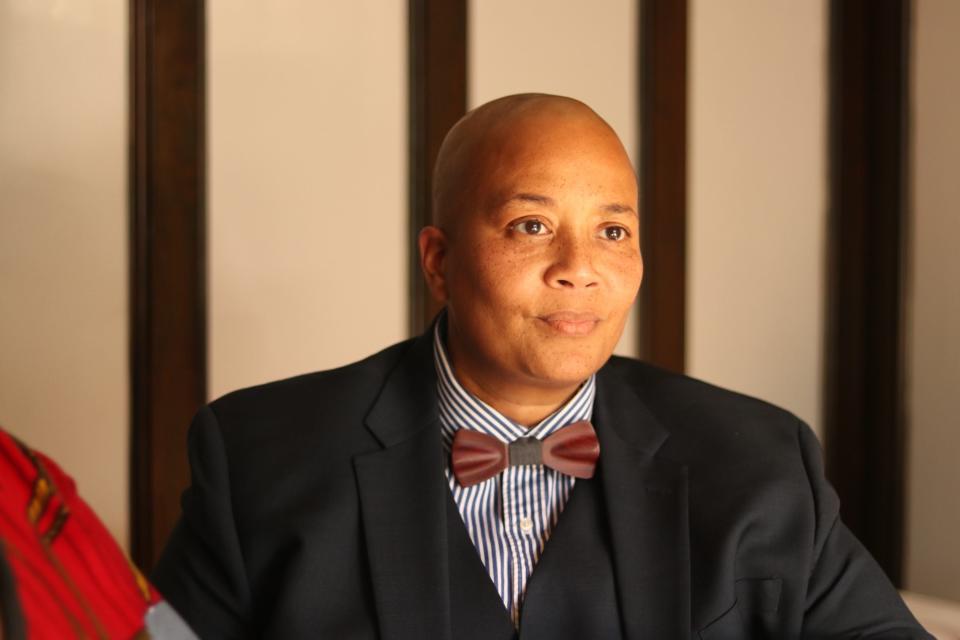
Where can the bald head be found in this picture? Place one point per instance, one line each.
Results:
(502, 131)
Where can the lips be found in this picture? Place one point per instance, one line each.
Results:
(571, 323)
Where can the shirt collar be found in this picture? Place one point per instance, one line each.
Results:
(459, 408)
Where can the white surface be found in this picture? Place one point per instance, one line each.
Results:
(567, 47)
(757, 198)
(63, 241)
(940, 617)
(933, 342)
(307, 167)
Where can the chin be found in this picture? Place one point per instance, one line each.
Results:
(562, 367)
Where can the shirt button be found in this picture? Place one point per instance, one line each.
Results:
(526, 524)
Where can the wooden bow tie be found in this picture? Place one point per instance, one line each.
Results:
(572, 450)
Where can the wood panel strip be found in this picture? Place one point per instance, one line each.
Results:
(663, 181)
(438, 98)
(864, 415)
(167, 257)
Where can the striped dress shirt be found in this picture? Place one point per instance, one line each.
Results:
(510, 516)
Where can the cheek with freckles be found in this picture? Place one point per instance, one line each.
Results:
(503, 281)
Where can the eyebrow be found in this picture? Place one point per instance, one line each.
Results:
(617, 207)
(536, 198)
(532, 197)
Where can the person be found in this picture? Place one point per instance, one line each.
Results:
(502, 475)
(61, 573)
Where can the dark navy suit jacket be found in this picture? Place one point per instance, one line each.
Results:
(318, 509)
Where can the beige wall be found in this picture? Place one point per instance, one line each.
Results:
(933, 533)
(567, 47)
(757, 198)
(63, 242)
(307, 169)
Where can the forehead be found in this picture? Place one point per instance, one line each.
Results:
(555, 157)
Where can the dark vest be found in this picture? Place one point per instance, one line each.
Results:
(571, 593)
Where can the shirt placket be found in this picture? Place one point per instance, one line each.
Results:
(508, 487)
(521, 518)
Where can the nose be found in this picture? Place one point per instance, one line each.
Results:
(572, 266)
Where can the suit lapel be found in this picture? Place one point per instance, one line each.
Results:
(402, 503)
(646, 499)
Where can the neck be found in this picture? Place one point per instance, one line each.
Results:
(525, 408)
(525, 404)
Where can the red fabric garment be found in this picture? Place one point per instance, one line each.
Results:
(72, 580)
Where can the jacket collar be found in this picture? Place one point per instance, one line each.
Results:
(407, 403)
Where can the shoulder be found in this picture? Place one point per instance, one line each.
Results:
(679, 398)
(277, 443)
(710, 424)
(300, 418)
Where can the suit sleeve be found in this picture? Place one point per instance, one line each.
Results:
(848, 595)
(201, 571)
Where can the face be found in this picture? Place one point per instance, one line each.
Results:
(543, 265)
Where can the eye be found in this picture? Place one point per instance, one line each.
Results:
(531, 227)
(615, 233)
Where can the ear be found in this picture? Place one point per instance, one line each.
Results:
(432, 242)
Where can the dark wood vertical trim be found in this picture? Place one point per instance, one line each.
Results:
(864, 415)
(167, 257)
(438, 98)
(663, 180)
